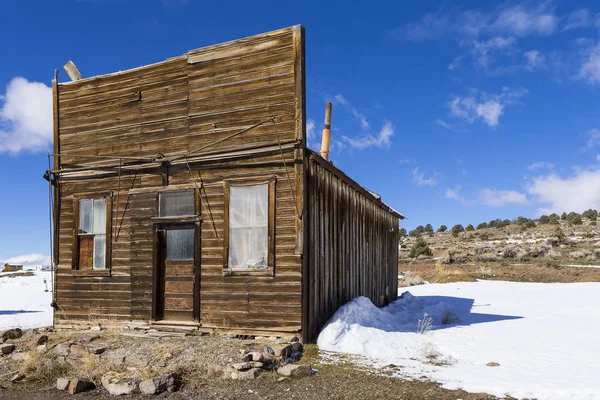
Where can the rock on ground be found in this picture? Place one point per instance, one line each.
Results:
(62, 383)
(159, 384)
(38, 340)
(6, 349)
(77, 385)
(62, 349)
(118, 385)
(246, 375)
(12, 334)
(247, 365)
(78, 351)
(17, 378)
(295, 370)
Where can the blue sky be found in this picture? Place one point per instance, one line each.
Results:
(455, 112)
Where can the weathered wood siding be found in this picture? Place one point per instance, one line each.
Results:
(353, 246)
(174, 107)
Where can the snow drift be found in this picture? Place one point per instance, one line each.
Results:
(544, 336)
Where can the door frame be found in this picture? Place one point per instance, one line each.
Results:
(157, 261)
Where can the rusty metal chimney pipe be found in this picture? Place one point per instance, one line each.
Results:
(326, 132)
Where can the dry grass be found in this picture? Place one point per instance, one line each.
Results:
(541, 271)
(410, 279)
(444, 274)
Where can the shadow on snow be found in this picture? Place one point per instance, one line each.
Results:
(15, 312)
(463, 309)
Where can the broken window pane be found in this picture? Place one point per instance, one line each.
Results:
(180, 244)
(248, 226)
(99, 251)
(99, 218)
(175, 204)
(85, 216)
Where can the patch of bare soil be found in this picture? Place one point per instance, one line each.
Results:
(190, 357)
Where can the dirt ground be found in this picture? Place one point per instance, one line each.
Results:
(433, 272)
(144, 357)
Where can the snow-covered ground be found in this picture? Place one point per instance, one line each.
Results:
(23, 301)
(545, 336)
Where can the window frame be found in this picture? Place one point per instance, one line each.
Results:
(268, 270)
(106, 271)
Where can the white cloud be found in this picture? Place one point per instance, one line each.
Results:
(598, 158)
(578, 19)
(339, 99)
(533, 59)
(590, 68)
(454, 194)
(383, 139)
(576, 193)
(456, 62)
(419, 178)
(522, 21)
(541, 165)
(498, 198)
(28, 260)
(484, 107)
(593, 138)
(516, 20)
(310, 129)
(407, 161)
(448, 126)
(483, 50)
(25, 117)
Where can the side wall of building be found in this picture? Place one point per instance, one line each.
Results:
(352, 250)
(172, 107)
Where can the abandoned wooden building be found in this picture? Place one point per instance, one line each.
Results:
(12, 267)
(184, 195)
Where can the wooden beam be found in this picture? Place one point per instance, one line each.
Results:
(72, 71)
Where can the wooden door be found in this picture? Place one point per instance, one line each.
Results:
(176, 275)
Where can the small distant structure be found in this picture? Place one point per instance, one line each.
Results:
(12, 267)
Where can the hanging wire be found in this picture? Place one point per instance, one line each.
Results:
(50, 221)
(200, 195)
(286, 170)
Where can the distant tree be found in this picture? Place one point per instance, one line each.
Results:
(575, 219)
(590, 214)
(420, 248)
(456, 229)
(442, 228)
(530, 224)
(402, 232)
(482, 225)
(559, 235)
(554, 219)
(563, 216)
(429, 228)
(506, 222)
(544, 219)
(470, 228)
(418, 231)
(522, 220)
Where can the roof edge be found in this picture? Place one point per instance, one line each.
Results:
(355, 185)
(185, 55)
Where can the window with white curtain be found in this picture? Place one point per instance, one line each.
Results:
(248, 226)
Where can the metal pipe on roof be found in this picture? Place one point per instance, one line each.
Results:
(326, 132)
